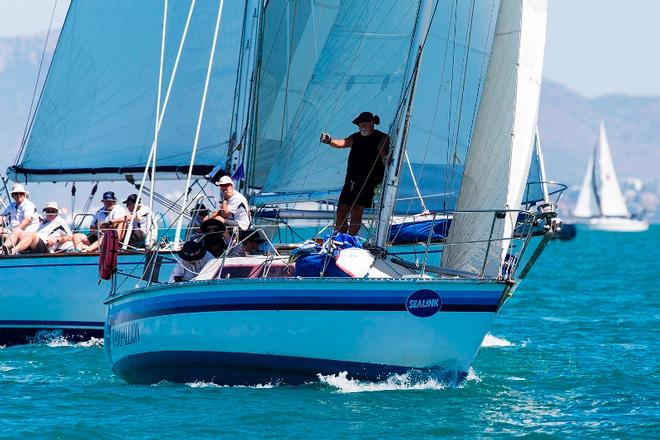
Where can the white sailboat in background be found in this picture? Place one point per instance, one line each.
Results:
(601, 205)
(95, 122)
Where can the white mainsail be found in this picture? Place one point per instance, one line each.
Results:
(334, 60)
(500, 150)
(600, 194)
(340, 65)
(96, 116)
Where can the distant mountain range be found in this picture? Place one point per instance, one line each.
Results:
(568, 126)
(568, 121)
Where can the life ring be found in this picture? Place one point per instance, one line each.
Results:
(108, 254)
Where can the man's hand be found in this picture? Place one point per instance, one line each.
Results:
(325, 138)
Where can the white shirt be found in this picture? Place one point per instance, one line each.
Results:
(55, 228)
(103, 216)
(239, 208)
(141, 221)
(19, 213)
(188, 270)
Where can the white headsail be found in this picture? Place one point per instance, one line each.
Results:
(500, 150)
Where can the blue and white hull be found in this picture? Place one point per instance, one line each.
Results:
(61, 293)
(250, 331)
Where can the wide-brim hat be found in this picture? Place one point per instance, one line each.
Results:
(19, 188)
(366, 117)
(225, 180)
(109, 196)
(130, 199)
(52, 205)
(191, 251)
(204, 227)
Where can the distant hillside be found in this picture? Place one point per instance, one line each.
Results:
(568, 126)
(568, 121)
(19, 64)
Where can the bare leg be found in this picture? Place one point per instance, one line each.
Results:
(29, 240)
(80, 241)
(93, 247)
(121, 231)
(342, 218)
(14, 238)
(356, 219)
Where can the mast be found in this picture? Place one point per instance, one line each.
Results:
(393, 172)
(253, 103)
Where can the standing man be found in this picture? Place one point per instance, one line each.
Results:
(364, 172)
(20, 217)
(234, 209)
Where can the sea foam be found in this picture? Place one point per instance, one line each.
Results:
(203, 384)
(395, 382)
(494, 341)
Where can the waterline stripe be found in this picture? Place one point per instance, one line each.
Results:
(127, 313)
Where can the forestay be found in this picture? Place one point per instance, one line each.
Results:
(96, 116)
(322, 63)
(499, 154)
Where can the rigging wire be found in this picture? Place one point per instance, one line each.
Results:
(201, 116)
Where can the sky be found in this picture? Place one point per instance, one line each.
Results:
(595, 47)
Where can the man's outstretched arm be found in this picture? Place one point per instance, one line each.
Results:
(336, 143)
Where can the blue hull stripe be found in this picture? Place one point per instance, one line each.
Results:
(251, 369)
(21, 266)
(238, 301)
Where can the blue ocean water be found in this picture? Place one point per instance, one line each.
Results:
(574, 354)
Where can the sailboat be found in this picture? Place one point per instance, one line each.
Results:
(600, 205)
(317, 65)
(96, 121)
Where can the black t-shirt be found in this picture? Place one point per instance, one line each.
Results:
(365, 154)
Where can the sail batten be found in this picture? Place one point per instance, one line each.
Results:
(97, 113)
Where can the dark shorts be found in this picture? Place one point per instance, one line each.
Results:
(137, 238)
(93, 237)
(41, 248)
(357, 192)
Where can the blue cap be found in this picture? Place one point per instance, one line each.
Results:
(109, 196)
